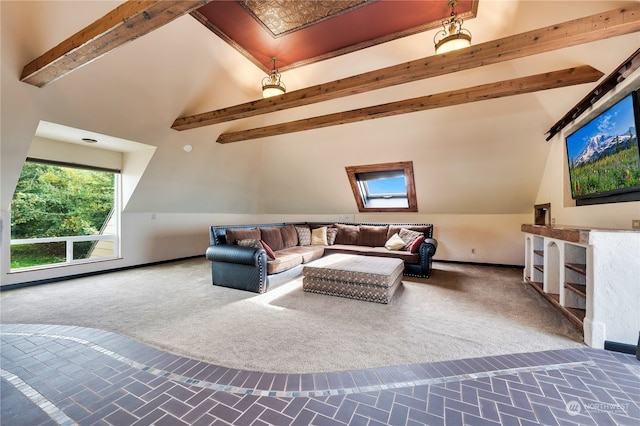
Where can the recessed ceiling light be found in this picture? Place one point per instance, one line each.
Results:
(89, 140)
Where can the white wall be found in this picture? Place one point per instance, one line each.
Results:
(496, 238)
(144, 240)
(477, 166)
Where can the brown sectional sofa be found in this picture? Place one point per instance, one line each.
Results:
(260, 257)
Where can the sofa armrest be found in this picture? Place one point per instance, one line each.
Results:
(233, 254)
(431, 245)
(244, 268)
(423, 268)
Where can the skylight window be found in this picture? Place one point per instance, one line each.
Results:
(385, 187)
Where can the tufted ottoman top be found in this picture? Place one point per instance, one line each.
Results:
(349, 268)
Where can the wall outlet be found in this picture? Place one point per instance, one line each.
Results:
(553, 220)
(635, 224)
(153, 216)
(473, 253)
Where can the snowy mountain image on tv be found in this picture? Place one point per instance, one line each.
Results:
(602, 145)
(603, 154)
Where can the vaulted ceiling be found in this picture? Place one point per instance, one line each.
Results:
(482, 157)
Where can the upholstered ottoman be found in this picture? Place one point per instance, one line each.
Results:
(370, 278)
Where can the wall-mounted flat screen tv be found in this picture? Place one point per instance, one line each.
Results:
(603, 154)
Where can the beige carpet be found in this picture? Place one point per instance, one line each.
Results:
(462, 311)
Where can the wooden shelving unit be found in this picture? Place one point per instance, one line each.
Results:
(579, 289)
(590, 276)
(559, 270)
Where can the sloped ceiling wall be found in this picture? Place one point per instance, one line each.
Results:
(486, 157)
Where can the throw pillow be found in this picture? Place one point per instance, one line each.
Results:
(304, 235)
(347, 234)
(270, 254)
(372, 236)
(332, 233)
(415, 246)
(289, 236)
(409, 236)
(319, 237)
(250, 242)
(427, 230)
(233, 235)
(273, 237)
(394, 243)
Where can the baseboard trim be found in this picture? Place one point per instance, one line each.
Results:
(89, 274)
(499, 265)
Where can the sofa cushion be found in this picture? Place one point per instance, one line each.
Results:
(395, 243)
(409, 236)
(233, 235)
(272, 237)
(372, 236)
(304, 235)
(250, 242)
(283, 262)
(395, 229)
(347, 249)
(259, 244)
(415, 245)
(308, 253)
(289, 236)
(270, 254)
(407, 256)
(319, 236)
(332, 233)
(347, 234)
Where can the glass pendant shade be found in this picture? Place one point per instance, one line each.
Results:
(453, 42)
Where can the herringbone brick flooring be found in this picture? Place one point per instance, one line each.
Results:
(74, 375)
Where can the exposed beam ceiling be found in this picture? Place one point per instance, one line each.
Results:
(613, 23)
(127, 22)
(534, 83)
(612, 80)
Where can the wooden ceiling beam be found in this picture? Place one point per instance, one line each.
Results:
(609, 83)
(518, 86)
(613, 23)
(127, 22)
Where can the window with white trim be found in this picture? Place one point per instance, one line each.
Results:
(63, 213)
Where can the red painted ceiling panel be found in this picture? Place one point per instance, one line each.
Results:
(361, 27)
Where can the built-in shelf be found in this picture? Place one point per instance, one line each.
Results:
(580, 268)
(574, 315)
(579, 289)
(588, 275)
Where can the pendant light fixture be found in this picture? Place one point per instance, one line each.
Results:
(452, 36)
(272, 84)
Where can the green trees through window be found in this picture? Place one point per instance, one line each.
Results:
(58, 201)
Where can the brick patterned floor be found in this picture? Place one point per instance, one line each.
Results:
(73, 375)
